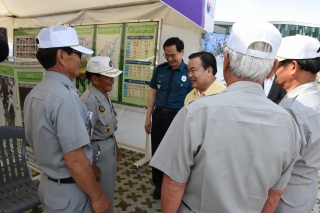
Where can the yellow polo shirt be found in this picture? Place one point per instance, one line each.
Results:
(215, 87)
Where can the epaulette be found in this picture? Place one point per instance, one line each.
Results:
(163, 64)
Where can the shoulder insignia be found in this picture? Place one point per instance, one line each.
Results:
(164, 63)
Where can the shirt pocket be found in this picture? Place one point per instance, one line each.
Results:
(180, 88)
(161, 82)
(105, 126)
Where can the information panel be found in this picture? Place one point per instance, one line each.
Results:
(25, 46)
(85, 36)
(108, 43)
(27, 79)
(8, 96)
(139, 59)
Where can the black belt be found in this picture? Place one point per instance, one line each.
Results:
(187, 206)
(63, 180)
(95, 140)
(163, 110)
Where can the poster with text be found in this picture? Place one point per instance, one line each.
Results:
(139, 61)
(85, 36)
(27, 80)
(8, 97)
(108, 43)
(201, 12)
(25, 47)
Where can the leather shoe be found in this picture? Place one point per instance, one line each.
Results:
(157, 193)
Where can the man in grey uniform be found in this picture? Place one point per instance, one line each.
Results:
(232, 151)
(55, 125)
(296, 73)
(106, 152)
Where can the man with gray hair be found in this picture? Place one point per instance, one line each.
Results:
(233, 151)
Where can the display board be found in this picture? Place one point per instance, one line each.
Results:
(8, 96)
(25, 46)
(85, 36)
(108, 43)
(27, 79)
(139, 61)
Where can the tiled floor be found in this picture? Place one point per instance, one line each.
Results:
(133, 192)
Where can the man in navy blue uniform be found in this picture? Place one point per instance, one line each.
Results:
(169, 86)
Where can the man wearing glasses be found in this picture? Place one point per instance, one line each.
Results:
(169, 86)
(299, 64)
(55, 125)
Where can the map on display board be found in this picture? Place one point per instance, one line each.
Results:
(27, 79)
(108, 43)
(139, 61)
(25, 47)
(8, 96)
(85, 36)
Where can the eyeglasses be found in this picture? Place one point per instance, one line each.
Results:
(173, 56)
(78, 53)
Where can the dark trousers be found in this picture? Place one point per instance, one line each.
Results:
(160, 124)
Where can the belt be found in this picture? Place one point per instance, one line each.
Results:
(95, 140)
(188, 207)
(63, 180)
(163, 110)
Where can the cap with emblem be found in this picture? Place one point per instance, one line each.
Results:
(102, 65)
(244, 33)
(298, 47)
(60, 36)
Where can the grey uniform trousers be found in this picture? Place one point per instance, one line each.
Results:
(63, 198)
(298, 198)
(107, 163)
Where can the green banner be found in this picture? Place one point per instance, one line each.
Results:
(26, 32)
(113, 29)
(6, 70)
(33, 77)
(84, 30)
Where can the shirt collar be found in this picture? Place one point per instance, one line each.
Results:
(60, 77)
(246, 86)
(180, 68)
(96, 93)
(304, 88)
(212, 89)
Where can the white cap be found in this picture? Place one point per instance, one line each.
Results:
(298, 47)
(244, 33)
(103, 66)
(60, 36)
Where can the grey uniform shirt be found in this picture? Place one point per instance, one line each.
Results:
(55, 123)
(303, 103)
(230, 148)
(103, 118)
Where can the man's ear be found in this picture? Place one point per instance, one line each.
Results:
(294, 68)
(182, 52)
(60, 57)
(273, 69)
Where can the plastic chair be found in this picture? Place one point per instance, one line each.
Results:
(18, 192)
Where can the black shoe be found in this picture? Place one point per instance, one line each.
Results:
(157, 193)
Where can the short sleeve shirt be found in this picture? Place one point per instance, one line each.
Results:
(230, 149)
(103, 117)
(303, 103)
(180, 86)
(55, 123)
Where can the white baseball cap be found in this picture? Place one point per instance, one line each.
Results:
(102, 65)
(60, 36)
(244, 33)
(298, 47)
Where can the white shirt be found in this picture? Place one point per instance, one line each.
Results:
(267, 85)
